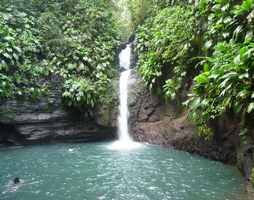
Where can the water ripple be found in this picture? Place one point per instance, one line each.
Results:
(94, 172)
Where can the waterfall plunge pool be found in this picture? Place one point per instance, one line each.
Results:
(94, 172)
(123, 170)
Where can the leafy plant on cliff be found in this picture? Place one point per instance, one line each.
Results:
(163, 43)
(140, 10)
(73, 39)
(87, 68)
(20, 69)
(225, 83)
(225, 20)
(214, 42)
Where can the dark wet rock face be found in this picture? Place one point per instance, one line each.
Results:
(46, 120)
(155, 122)
(9, 135)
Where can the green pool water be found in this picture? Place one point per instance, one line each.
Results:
(94, 172)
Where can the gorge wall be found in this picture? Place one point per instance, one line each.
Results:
(46, 120)
(156, 122)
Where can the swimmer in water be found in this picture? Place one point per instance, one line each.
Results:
(13, 185)
(16, 180)
(17, 183)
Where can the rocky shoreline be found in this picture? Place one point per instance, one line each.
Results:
(166, 124)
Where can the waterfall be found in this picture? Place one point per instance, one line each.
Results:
(124, 59)
(124, 139)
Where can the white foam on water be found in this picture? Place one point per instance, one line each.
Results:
(124, 146)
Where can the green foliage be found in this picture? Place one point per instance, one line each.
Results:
(80, 92)
(225, 84)
(225, 20)
(82, 66)
(244, 8)
(219, 36)
(74, 39)
(123, 16)
(226, 81)
(160, 4)
(139, 9)
(163, 44)
(85, 93)
(20, 68)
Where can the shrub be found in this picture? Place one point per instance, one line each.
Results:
(74, 39)
(163, 43)
(225, 84)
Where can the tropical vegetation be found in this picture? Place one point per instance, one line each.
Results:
(199, 54)
(205, 48)
(74, 40)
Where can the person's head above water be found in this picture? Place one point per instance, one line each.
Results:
(16, 180)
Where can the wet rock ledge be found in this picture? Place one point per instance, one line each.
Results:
(46, 121)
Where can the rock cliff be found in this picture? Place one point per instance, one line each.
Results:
(45, 120)
(154, 121)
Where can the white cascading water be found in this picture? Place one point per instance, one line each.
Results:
(123, 132)
(124, 139)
